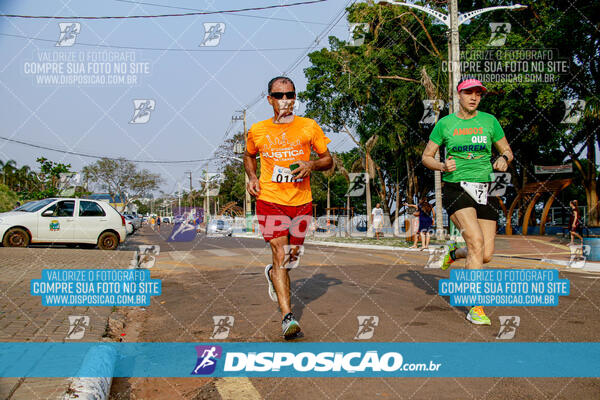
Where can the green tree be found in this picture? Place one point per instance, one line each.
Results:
(122, 178)
(8, 198)
(377, 89)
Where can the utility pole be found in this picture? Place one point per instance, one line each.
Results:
(247, 201)
(189, 173)
(455, 44)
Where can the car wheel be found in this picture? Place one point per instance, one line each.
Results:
(16, 237)
(108, 241)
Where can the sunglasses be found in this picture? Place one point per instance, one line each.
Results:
(279, 95)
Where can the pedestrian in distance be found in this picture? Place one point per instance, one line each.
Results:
(377, 220)
(158, 224)
(284, 199)
(575, 226)
(426, 214)
(468, 136)
(414, 229)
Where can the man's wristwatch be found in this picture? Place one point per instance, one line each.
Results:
(505, 157)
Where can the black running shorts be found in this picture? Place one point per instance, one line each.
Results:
(454, 198)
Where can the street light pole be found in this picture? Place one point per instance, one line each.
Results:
(455, 52)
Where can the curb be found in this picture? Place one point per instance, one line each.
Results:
(99, 362)
(97, 369)
(361, 246)
(589, 266)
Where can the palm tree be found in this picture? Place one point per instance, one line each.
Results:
(23, 178)
(8, 169)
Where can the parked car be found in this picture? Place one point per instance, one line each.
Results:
(63, 220)
(165, 220)
(135, 221)
(219, 227)
(129, 226)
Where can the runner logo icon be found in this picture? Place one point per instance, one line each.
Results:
(499, 32)
(68, 33)
(431, 111)
(212, 33)
(578, 255)
(508, 326)
(77, 325)
(223, 324)
(142, 110)
(574, 109)
(207, 359)
(366, 326)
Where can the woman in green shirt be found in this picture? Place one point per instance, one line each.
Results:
(468, 137)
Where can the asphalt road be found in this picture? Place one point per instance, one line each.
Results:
(331, 289)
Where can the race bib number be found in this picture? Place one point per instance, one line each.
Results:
(282, 174)
(477, 190)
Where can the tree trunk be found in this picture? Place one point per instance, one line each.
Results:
(591, 193)
(328, 198)
(382, 190)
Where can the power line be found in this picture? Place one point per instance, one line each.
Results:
(234, 14)
(206, 49)
(162, 15)
(37, 146)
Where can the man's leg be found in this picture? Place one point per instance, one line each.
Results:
(279, 275)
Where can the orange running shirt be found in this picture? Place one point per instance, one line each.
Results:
(281, 145)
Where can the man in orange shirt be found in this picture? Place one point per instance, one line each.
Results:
(284, 200)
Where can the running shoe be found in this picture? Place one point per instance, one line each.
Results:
(272, 292)
(477, 316)
(448, 258)
(290, 326)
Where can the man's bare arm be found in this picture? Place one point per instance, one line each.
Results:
(324, 162)
(253, 186)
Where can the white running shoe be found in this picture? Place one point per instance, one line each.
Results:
(272, 292)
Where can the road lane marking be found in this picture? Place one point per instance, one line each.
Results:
(222, 253)
(237, 388)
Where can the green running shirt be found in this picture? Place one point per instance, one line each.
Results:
(470, 143)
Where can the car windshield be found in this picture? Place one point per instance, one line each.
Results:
(33, 206)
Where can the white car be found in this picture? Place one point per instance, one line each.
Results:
(63, 220)
(135, 221)
(129, 228)
(219, 227)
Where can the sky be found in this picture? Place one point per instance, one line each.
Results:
(76, 87)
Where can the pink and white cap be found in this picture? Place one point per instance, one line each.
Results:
(470, 83)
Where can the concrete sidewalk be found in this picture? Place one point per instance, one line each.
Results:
(24, 319)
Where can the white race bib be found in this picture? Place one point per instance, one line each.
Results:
(477, 190)
(282, 174)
